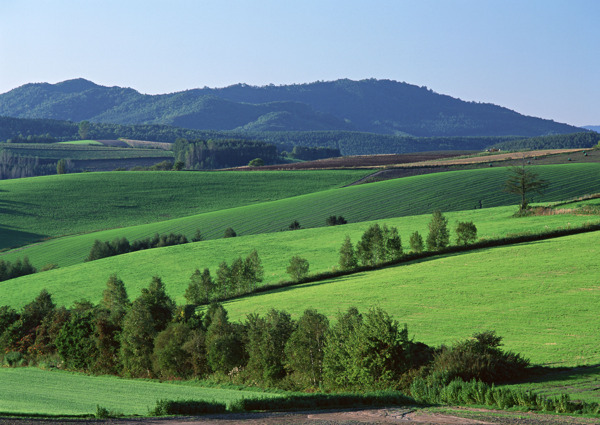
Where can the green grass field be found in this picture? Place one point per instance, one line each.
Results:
(51, 206)
(375, 201)
(175, 264)
(542, 297)
(31, 391)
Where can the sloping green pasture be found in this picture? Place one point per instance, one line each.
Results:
(51, 206)
(31, 390)
(319, 246)
(452, 191)
(542, 297)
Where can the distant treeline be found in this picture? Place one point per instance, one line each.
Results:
(207, 154)
(586, 139)
(16, 166)
(19, 268)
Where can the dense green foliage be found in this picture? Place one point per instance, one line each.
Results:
(556, 141)
(120, 246)
(202, 154)
(378, 106)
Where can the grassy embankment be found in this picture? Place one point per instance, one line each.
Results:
(36, 391)
(453, 191)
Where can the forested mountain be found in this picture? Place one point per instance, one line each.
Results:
(377, 106)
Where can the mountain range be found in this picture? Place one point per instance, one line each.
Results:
(375, 106)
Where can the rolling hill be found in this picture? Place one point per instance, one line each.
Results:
(377, 106)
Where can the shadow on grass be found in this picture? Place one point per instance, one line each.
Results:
(11, 238)
(544, 374)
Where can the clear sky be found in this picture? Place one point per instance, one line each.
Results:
(538, 57)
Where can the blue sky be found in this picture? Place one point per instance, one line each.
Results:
(538, 57)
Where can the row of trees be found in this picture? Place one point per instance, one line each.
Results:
(152, 337)
(103, 249)
(380, 244)
(241, 277)
(20, 267)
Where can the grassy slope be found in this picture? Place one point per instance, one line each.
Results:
(81, 151)
(453, 191)
(51, 206)
(542, 297)
(176, 264)
(30, 390)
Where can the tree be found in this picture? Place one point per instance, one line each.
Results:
(305, 348)
(229, 233)
(438, 237)
(347, 255)
(172, 360)
(333, 220)
(84, 129)
(137, 340)
(466, 233)
(522, 181)
(201, 287)
(295, 225)
(416, 242)
(298, 268)
(61, 166)
(266, 339)
(198, 236)
(115, 299)
(224, 278)
(160, 304)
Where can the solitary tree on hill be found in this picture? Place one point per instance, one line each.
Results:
(522, 181)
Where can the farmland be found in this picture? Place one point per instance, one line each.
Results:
(175, 264)
(52, 206)
(383, 200)
(539, 296)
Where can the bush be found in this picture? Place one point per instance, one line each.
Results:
(14, 359)
(187, 407)
(295, 225)
(332, 220)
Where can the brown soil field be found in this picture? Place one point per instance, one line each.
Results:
(421, 416)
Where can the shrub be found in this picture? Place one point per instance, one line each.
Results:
(256, 162)
(333, 220)
(187, 407)
(294, 225)
(14, 359)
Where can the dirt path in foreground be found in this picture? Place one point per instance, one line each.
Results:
(397, 415)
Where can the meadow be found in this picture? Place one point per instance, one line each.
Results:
(542, 297)
(41, 207)
(452, 191)
(319, 246)
(36, 391)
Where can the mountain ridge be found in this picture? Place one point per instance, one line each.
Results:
(377, 106)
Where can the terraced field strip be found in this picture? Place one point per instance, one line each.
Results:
(81, 142)
(452, 191)
(542, 297)
(50, 206)
(175, 264)
(31, 390)
(80, 151)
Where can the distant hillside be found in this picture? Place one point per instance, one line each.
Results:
(595, 128)
(376, 106)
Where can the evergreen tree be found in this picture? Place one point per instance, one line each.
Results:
(160, 304)
(115, 299)
(416, 242)
(137, 340)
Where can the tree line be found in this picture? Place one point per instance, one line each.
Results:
(118, 246)
(152, 337)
